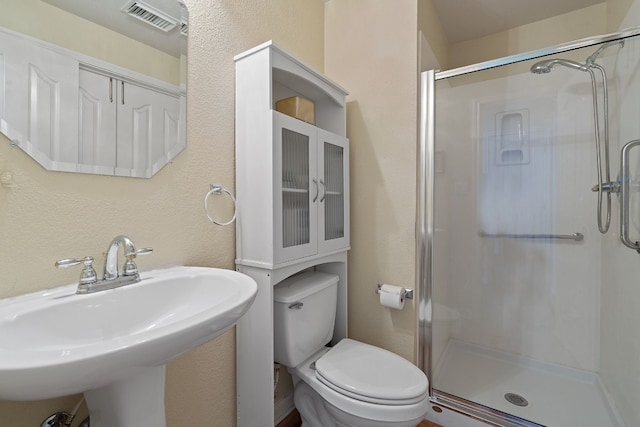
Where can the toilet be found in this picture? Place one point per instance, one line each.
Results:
(350, 384)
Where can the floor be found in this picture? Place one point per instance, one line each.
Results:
(293, 420)
(556, 396)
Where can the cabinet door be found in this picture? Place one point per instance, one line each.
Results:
(97, 123)
(148, 127)
(135, 123)
(39, 96)
(296, 189)
(167, 131)
(333, 178)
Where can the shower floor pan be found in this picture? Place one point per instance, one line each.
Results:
(547, 394)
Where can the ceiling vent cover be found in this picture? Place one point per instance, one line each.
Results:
(150, 15)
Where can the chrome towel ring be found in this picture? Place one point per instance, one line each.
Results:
(217, 189)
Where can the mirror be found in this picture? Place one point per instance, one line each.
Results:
(94, 86)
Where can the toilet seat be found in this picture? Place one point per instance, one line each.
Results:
(371, 374)
(391, 412)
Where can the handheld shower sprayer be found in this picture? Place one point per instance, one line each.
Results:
(543, 67)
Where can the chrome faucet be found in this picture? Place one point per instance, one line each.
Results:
(111, 258)
(89, 282)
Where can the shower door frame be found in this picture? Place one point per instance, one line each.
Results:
(425, 188)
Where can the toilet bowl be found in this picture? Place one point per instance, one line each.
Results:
(350, 384)
(357, 390)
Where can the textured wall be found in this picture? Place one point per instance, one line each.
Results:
(371, 49)
(51, 215)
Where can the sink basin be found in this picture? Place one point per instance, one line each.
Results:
(55, 342)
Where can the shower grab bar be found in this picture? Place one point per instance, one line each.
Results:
(624, 196)
(575, 236)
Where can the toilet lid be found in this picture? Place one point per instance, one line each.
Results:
(371, 374)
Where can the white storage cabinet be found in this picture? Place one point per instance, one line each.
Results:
(292, 178)
(292, 189)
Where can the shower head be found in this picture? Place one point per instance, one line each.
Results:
(543, 67)
(546, 66)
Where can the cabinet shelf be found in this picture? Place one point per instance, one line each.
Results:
(295, 190)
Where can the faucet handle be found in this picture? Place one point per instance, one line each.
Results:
(88, 274)
(130, 268)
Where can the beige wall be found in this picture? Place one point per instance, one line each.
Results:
(571, 26)
(429, 24)
(598, 19)
(617, 12)
(51, 215)
(371, 49)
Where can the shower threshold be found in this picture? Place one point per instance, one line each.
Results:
(543, 393)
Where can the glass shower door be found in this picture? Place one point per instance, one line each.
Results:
(534, 310)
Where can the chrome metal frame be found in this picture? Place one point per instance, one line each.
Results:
(425, 187)
(565, 47)
(578, 237)
(624, 196)
(480, 412)
(424, 220)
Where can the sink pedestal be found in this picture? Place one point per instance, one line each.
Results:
(135, 401)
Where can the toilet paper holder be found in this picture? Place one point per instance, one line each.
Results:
(404, 294)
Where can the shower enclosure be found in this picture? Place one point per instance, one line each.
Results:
(530, 302)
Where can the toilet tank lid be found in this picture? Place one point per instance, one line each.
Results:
(302, 285)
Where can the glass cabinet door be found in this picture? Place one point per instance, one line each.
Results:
(312, 201)
(333, 208)
(295, 216)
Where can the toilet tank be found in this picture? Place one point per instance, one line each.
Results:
(304, 312)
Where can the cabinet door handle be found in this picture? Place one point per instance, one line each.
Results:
(122, 92)
(111, 89)
(324, 191)
(317, 190)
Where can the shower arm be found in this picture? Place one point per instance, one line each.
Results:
(591, 60)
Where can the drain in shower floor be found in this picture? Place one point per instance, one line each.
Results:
(516, 399)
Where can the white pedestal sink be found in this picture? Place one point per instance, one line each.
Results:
(113, 345)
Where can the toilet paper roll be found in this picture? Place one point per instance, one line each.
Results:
(391, 296)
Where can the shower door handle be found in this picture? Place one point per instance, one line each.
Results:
(624, 195)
